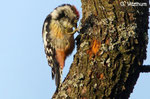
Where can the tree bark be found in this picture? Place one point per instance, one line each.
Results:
(111, 47)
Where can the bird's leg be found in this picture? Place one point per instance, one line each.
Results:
(75, 30)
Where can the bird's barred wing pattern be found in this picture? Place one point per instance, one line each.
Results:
(50, 51)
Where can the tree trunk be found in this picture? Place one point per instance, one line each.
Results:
(111, 47)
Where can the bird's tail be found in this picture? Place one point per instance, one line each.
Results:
(56, 74)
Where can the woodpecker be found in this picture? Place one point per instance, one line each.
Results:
(58, 37)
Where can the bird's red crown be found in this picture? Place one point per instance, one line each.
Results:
(76, 11)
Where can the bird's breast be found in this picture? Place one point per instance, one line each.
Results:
(61, 40)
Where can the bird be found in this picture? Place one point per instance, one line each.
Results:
(58, 37)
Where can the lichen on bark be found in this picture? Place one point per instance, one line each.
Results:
(111, 47)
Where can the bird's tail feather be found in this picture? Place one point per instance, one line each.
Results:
(53, 73)
(57, 73)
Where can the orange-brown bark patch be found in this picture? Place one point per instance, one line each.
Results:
(94, 48)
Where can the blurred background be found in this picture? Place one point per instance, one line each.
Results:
(24, 72)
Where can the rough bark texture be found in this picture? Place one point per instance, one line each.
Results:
(111, 47)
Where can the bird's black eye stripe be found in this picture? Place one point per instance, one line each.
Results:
(61, 15)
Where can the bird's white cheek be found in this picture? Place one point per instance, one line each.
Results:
(54, 14)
